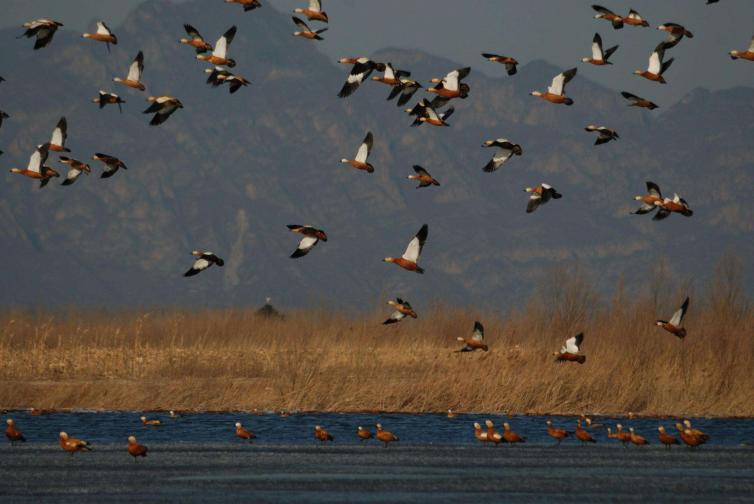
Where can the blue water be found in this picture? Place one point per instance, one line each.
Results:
(272, 429)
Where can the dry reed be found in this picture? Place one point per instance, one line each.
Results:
(316, 360)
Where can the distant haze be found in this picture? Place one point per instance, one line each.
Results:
(525, 29)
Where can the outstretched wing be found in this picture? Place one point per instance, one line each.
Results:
(478, 333)
(414, 249)
(365, 148)
(678, 315)
(136, 68)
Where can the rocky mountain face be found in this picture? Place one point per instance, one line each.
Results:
(228, 172)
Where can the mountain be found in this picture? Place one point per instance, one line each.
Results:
(228, 172)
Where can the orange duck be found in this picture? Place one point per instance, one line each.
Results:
(410, 257)
(305, 31)
(747, 54)
(314, 12)
(621, 435)
(196, 41)
(476, 340)
(75, 168)
(244, 433)
(133, 79)
(599, 57)
(42, 29)
(675, 33)
(666, 439)
(36, 168)
(246, 4)
(12, 433)
(322, 435)
(505, 150)
(423, 177)
(637, 101)
(673, 326)
(403, 309)
(674, 205)
(555, 432)
(479, 434)
(150, 422)
(219, 55)
(105, 98)
(570, 351)
(510, 63)
(635, 19)
(608, 15)
(385, 436)
(656, 67)
(391, 76)
(511, 437)
(112, 164)
(103, 34)
(637, 439)
(583, 435)
(360, 161)
(556, 91)
(648, 200)
(312, 236)
(492, 435)
(363, 434)
(73, 445)
(450, 86)
(135, 449)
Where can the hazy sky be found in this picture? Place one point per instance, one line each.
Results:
(525, 29)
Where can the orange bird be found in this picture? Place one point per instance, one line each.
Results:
(360, 161)
(73, 445)
(479, 434)
(570, 351)
(556, 91)
(135, 449)
(385, 436)
(492, 435)
(747, 54)
(665, 438)
(322, 434)
(103, 34)
(423, 177)
(559, 434)
(314, 12)
(410, 257)
(196, 41)
(244, 433)
(246, 4)
(511, 437)
(12, 433)
(363, 434)
(583, 435)
(476, 340)
(153, 422)
(673, 326)
(637, 439)
(656, 66)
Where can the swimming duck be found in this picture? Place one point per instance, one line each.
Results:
(570, 351)
(322, 435)
(59, 135)
(403, 309)
(666, 439)
(244, 433)
(133, 79)
(476, 342)
(637, 101)
(203, 261)
(648, 200)
(479, 434)
(605, 134)
(43, 29)
(360, 161)
(73, 445)
(314, 12)
(106, 98)
(363, 434)
(196, 40)
(599, 57)
(506, 150)
(135, 449)
(492, 435)
(151, 422)
(307, 32)
(656, 67)
(583, 435)
(162, 107)
(556, 92)
(410, 257)
(510, 63)
(103, 34)
(423, 177)
(311, 238)
(637, 439)
(540, 195)
(75, 168)
(112, 164)
(219, 55)
(555, 432)
(511, 437)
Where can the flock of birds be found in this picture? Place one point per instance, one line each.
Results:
(583, 432)
(445, 89)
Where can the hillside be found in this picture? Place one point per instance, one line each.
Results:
(227, 173)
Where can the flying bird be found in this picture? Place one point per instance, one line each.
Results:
(314, 12)
(637, 101)
(656, 66)
(75, 168)
(112, 164)
(450, 86)
(605, 134)
(59, 135)
(162, 107)
(106, 98)
(3, 115)
(648, 200)
(506, 150)
(133, 79)
(36, 168)
(423, 177)
(307, 32)
(635, 19)
(219, 55)
(510, 63)
(476, 342)
(391, 76)
(556, 92)
(43, 29)
(410, 257)
(571, 350)
(246, 4)
(360, 161)
(103, 34)
(196, 40)
(747, 54)
(135, 449)
(407, 88)
(675, 33)
(219, 75)
(608, 15)
(361, 69)
(312, 236)
(673, 326)
(668, 206)
(403, 309)
(203, 261)
(540, 195)
(599, 57)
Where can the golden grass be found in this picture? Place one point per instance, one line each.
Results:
(314, 360)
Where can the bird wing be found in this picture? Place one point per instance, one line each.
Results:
(221, 46)
(751, 46)
(450, 82)
(59, 134)
(366, 146)
(200, 264)
(415, 246)
(315, 5)
(629, 96)
(192, 32)
(655, 61)
(102, 28)
(653, 189)
(559, 81)
(678, 315)
(534, 201)
(573, 345)
(38, 158)
(478, 332)
(307, 242)
(136, 68)
(301, 24)
(597, 47)
(389, 71)
(421, 171)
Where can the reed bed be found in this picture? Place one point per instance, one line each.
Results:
(324, 361)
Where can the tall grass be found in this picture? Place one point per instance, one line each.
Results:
(317, 360)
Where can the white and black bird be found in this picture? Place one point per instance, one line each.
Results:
(506, 150)
(361, 69)
(599, 57)
(476, 342)
(605, 134)
(403, 309)
(75, 168)
(105, 98)
(135, 70)
(407, 88)
(219, 75)
(112, 164)
(540, 195)
(43, 29)
(203, 261)
(162, 107)
(312, 236)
